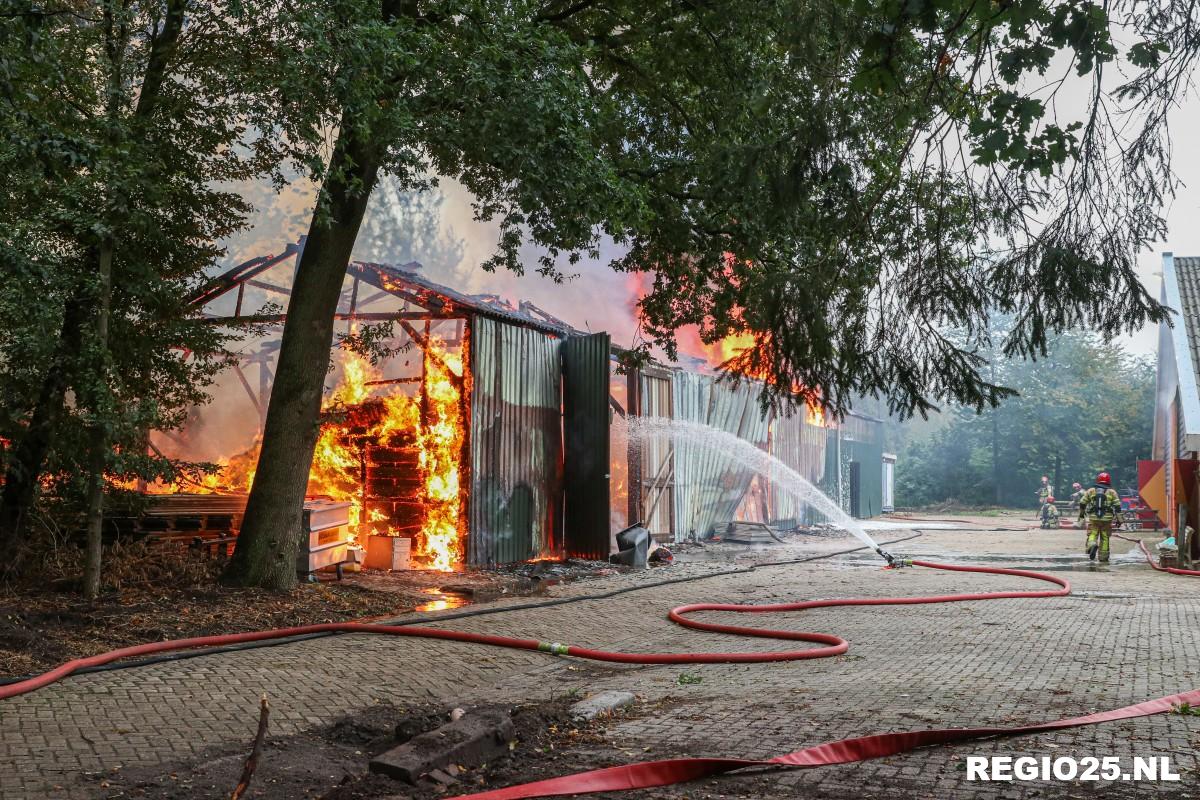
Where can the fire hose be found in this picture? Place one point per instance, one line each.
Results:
(671, 771)
(648, 774)
(831, 645)
(1150, 559)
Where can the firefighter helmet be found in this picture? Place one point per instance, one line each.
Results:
(1103, 479)
(1050, 499)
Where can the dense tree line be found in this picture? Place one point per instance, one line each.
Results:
(1086, 407)
(846, 180)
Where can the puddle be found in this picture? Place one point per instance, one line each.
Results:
(1059, 562)
(452, 596)
(443, 600)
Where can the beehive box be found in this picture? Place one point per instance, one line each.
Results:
(388, 552)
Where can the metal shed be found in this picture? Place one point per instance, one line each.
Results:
(514, 454)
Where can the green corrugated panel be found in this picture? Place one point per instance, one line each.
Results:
(516, 444)
(586, 444)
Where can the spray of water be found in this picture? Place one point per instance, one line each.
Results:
(746, 455)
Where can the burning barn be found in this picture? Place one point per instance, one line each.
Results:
(480, 433)
(452, 440)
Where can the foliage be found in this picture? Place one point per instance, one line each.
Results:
(910, 176)
(123, 123)
(844, 179)
(1086, 407)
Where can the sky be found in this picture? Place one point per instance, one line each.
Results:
(1183, 217)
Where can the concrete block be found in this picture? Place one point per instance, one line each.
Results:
(603, 703)
(476, 738)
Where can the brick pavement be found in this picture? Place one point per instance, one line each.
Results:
(1127, 634)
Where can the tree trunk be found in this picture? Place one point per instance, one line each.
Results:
(98, 435)
(995, 444)
(1054, 484)
(93, 553)
(266, 549)
(24, 470)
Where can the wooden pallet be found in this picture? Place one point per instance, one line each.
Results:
(749, 533)
(192, 514)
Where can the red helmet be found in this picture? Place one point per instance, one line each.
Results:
(1050, 499)
(1103, 479)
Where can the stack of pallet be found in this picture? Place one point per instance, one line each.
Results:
(212, 518)
(325, 537)
(393, 488)
(739, 532)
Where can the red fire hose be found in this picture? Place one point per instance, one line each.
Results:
(833, 645)
(1150, 559)
(662, 773)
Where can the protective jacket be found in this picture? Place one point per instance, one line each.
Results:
(1100, 503)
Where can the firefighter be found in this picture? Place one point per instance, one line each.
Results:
(1101, 506)
(1076, 493)
(1049, 514)
(1045, 490)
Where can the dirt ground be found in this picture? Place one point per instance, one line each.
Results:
(155, 594)
(330, 763)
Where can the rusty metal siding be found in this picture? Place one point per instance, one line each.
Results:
(586, 443)
(515, 505)
(709, 483)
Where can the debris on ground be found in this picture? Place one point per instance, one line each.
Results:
(160, 592)
(466, 741)
(330, 763)
(600, 704)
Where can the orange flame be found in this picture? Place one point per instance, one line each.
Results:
(720, 352)
(441, 440)
(433, 424)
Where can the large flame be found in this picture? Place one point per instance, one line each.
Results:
(441, 442)
(433, 423)
(353, 421)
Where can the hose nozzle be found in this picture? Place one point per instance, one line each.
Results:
(894, 562)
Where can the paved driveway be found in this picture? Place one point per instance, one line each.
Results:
(1125, 635)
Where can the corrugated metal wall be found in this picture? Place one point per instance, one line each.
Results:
(586, 443)
(801, 446)
(709, 484)
(656, 460)
(707, 488)
(516, 444)
(869, 457)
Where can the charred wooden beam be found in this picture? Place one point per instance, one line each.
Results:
(242, 272)
(270, 287)
(249, 392)
(377, 316)
(422, 340)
